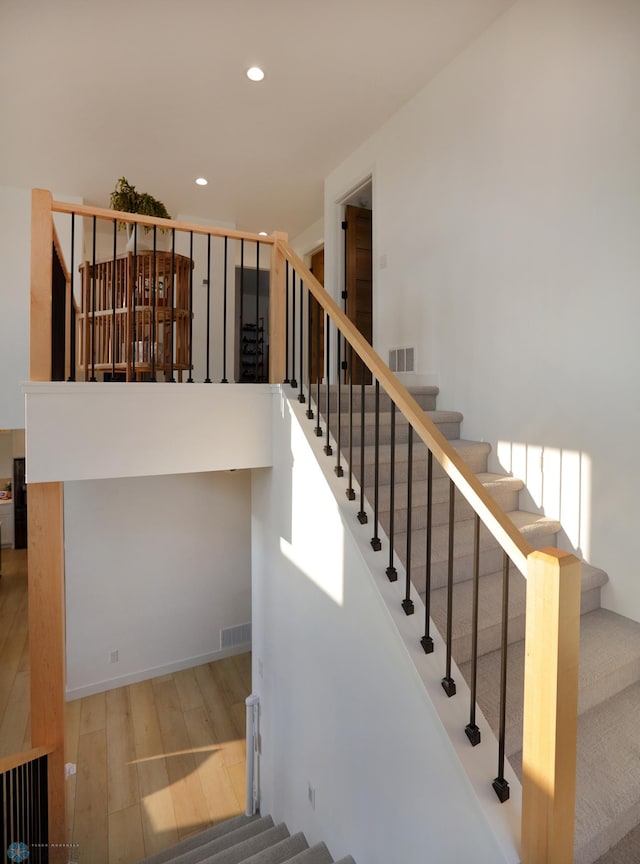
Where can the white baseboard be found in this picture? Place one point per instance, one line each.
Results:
(153, 672)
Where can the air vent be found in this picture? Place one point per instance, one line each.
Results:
(231, 637)
(402, 359)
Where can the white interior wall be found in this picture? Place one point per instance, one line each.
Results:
(155, 568)
(506, 204)
(342, 707)
(15, 254)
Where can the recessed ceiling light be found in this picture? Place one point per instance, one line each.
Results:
(262, 234)
(255, 73)
(202, 181)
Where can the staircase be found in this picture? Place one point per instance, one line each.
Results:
(245, 840)
(608, 769)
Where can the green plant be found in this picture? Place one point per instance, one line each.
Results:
(127, 199)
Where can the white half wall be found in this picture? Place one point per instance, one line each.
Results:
(155, 568)
(343, 708)
(83, 431)
(506, 211)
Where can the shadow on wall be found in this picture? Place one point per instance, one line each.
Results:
(558, 483)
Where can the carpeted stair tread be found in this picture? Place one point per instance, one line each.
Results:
(504, 490)
(473, 453)
(318, 854)
(607, 776)
(249, 847)
(490, 609)
(284, 851)
(605, 638)
(539, 530)
(448, 422)
(181, 850)
(425, 395)
(347, 860)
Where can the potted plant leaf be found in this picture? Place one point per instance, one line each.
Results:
(127, 199)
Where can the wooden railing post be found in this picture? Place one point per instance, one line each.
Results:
(46, 640)
(550, 707)
(41, 276)
(277, 312)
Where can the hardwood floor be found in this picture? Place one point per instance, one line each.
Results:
(156, 761)
(14, 654)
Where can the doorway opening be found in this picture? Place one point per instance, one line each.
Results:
(357, 294)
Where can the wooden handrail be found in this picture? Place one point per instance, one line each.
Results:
(15, 760)
(167, 224)
(493, 517)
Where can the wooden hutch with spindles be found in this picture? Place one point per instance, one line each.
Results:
(135, 318)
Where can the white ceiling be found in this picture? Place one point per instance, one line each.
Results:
(155, 90)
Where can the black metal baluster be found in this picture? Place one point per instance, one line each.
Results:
(190, 378)
(93, 306)
(293, 381)
(500, 785)
(338, 469)
(134, 329)
(301, 396)
(351, 493)
(376, 543)
(224, 317)
(171, 299)
(362, 515)
(328, 449)
(448, 684)
(258, 353)
(407, 603)
(287, 380)
(309, 349)
(242, 337)
(472, 731)
(72, 308)
(319, 311)
(392, 573)
(207, 380)
(113, 302)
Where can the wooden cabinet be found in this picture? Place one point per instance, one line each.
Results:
(135, 318)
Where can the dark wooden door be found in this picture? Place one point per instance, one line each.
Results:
(316, 321)
(358, 277)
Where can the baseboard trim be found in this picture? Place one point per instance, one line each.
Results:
(153, 672)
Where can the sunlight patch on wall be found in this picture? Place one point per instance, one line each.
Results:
(558, 483)
(317, 533)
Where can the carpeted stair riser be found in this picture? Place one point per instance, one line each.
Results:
(490, 607)
(474, 453)
(250, 847)
(424, 396)
(505, 495)
(196, 842)
(278, 853)
(491, 554)
(448, 422)
(245, 840)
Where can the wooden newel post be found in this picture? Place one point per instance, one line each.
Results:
(550, 707)
(277, 311)
(46, 644)
(41, 276)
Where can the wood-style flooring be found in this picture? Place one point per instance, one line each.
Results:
(156, 761)
(15, 734)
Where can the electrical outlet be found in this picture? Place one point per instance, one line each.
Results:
(311, 793)
(260, 668)
(113, 656)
